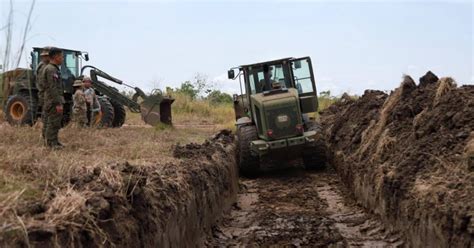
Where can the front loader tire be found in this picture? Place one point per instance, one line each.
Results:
(316, 158)
(106, 116)
(249, 165)
(21, 110)
(119, 114)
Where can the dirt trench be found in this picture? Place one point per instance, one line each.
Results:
(296, 208)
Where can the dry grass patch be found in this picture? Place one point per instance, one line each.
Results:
(191, 111)
(32, 174)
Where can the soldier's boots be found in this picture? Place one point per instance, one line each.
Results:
(55, 145)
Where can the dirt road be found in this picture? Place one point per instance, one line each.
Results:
(299, 209)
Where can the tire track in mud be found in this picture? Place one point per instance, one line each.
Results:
(299, 209)
(358, 228)
(177, 126)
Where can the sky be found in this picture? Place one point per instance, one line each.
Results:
(354, 45)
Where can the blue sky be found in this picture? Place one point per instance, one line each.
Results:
(354, 45)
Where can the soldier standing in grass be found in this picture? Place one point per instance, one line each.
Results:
(44, 55)
(79, 113)
(93, 106)
(53, 98)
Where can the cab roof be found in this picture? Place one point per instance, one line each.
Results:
(267, 62)
(64, 49)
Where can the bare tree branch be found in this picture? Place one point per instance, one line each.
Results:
(8, 37)
(4, 27)
(25, 32)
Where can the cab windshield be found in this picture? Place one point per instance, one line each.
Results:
(295, 73)
(70, 66)
(267, 77)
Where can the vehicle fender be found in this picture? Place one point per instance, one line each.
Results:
(243, 121)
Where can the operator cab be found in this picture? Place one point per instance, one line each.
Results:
(70, 69)
(277, 76)
(71, 66)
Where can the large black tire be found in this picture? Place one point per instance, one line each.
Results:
(316, 158)
(249, 165)
(21, 109)
(119, 114)
(107, 113)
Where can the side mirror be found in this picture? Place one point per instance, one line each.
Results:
(231, 74)
(298, 64)
(86, 57)
(235, 98)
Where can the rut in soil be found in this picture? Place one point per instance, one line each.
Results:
(298, 208)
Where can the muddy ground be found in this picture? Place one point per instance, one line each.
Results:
(297, 208)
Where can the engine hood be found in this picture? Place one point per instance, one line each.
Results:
(279, 112)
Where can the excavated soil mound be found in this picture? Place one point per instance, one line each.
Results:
(139, 205)
(408, 156)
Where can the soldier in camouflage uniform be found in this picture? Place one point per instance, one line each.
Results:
(79, 113)
(53, 98)
(40, 84)
(93, 105)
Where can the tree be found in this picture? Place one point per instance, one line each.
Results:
(199, 87)
(218, 97)
(202, 85)
(189, 89)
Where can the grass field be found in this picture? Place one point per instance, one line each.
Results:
(30, 173)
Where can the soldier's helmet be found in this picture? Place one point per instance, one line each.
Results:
(77, 83)
(45, 51)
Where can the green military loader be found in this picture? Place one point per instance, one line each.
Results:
(276, 117)
(19, 94)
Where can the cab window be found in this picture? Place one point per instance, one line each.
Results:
(34, 60)
(261, 78)
(70, 66)
(302, 76)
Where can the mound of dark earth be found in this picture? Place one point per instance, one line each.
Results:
(409, 157)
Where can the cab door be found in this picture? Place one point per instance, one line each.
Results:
(303, 77)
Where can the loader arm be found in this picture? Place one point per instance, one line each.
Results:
(154, 108)
(112, 92)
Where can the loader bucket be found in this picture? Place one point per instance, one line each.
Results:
(155, 109)
(165, 110)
